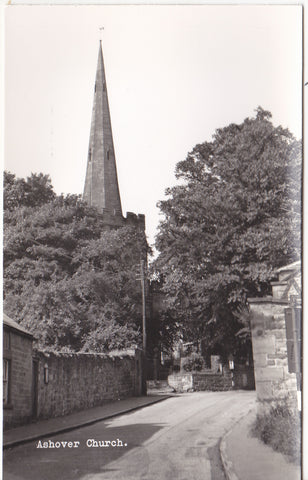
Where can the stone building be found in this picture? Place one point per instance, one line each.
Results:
(276, 339)
(101, 187)
(18, 380)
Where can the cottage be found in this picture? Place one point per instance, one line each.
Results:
(19, 403)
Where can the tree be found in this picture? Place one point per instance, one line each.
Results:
(234, 218)
(70, 281)
(33, 192)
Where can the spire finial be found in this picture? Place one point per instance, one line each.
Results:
(101, 28)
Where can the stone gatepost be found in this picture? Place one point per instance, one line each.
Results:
(274, 382)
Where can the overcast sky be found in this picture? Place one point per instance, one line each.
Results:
(174, 75)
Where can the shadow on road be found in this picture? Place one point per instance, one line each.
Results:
(217, 470)
(27, 462)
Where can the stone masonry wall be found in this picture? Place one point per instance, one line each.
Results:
(212, 382)
(19, 408)
(81, 381)
(183, 382)
(273, 380)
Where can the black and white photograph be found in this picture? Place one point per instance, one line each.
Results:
(152, 242)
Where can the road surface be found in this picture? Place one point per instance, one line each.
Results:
(176, 439)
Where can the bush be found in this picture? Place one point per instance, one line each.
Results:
(281, 429)
(194, 362)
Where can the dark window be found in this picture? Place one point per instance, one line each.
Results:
(6, 340)
(6, 381)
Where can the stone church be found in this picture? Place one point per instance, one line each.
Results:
(102, 191)
(101, 188)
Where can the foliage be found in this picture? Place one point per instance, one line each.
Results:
(281, 429)
(194, 362)
(234, 218)
(33, 192)
(69, 280)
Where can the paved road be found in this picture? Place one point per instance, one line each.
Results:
(176, 439)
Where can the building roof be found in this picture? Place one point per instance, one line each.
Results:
(292, 266)
(14, 325)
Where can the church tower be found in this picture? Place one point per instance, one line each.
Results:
(101, 188)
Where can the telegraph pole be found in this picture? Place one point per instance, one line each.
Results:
(144, 331)
(142, 277)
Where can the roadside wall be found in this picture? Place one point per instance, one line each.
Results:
(72, 382)
(212, 382)
(183, 382)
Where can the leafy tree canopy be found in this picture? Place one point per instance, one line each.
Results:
(33, 192)
(233, 219)
(67, 279)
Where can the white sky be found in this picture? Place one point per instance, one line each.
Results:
(174, 75)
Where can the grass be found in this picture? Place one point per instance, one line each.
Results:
(281, 429)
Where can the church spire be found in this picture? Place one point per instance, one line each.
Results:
(101, 185)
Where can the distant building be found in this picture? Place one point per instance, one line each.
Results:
(101, 187)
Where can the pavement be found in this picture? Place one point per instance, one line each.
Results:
(247, 458)
(175, 439)
(44, 428)
(243, 457)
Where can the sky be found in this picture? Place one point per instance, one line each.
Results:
(174, 75)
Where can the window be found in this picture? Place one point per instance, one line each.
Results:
(6, 340)
(6, 380)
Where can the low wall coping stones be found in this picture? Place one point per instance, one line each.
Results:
(113, 354)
